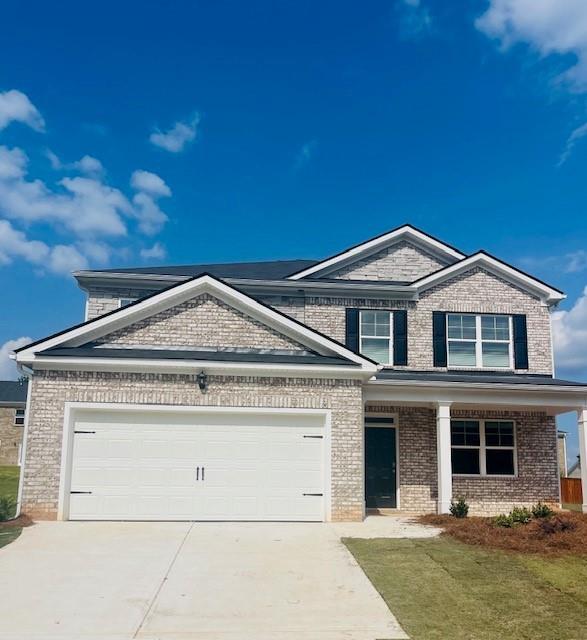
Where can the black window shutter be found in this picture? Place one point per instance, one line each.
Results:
(400, 338)
(520, 342)
(439, 338)
(352, 329)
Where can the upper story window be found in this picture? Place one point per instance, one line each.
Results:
(124, 302)
(480, 341)
(19, 417)
(376, 335)
(483, 447)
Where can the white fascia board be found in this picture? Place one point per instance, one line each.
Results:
(143, 365)
(557, 399)
(253, 286)
(371, 246)
(546, 293)
(181, 293)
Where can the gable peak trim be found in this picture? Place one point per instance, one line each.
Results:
(378, 243)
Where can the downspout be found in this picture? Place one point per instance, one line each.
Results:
(29, 374)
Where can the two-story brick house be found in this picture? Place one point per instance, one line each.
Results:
(396, 374)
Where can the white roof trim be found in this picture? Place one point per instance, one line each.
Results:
(144, 365)
(378, 243)
(548, 294)
(173, 296)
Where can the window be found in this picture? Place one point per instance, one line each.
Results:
(19, 417)
(376, 335)
(482, 341)
(483, 447)
(124, 302)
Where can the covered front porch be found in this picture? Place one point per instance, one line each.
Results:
(490, 439)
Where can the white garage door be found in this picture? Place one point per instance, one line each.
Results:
(139, 465)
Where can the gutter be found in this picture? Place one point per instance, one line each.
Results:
(478, 385)
(89, 279)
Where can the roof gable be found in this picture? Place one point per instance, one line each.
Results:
(119, 319)
(497, 267)
(407, 232)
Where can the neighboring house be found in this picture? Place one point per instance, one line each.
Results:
(396, 374)
(575, 469)
(562, 453)
(12, 408)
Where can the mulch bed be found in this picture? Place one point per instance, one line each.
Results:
(21, 521)
(563, 533)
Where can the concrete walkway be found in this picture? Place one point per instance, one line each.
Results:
(183, 581)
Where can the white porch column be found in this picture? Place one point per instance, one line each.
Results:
(443, 455)
(582, 424)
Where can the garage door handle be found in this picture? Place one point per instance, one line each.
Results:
(202, 474)
(197, 473)
(313, 494)
(81, 492)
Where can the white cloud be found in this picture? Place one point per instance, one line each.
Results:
(156, 252)
(150, 217)
(570, 336)
(175, 139)
(15, 244)
(64, 259)
(13, 163)
(576, 135)
(547, 26)
(87, 165)
(15, 106)
(414, 18)
(8, 369)
(149, 183)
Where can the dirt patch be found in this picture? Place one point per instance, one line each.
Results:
(21, 521)
(563, 533)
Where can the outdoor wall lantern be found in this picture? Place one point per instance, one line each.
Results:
(202, 379)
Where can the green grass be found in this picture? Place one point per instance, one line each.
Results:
(439, 588)
(9, 481)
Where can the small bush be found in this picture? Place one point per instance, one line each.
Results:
(7, 508)
(459, 508)
(521, 515)
(504, 520)
(541, 510)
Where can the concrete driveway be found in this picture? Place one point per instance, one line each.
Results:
(176, 581)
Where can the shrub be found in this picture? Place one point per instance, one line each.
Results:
(459, 508)
(7, 508)
(541, 510)
(521, 515)
(504, 520)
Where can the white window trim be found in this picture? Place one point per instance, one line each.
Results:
(390, 337)
(16, 424)
(482, 448)
(479, 343)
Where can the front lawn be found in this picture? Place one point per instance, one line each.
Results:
(9, 475)
(441, 588)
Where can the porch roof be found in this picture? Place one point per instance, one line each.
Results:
(484, 390)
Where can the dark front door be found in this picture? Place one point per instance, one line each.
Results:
(380, 481)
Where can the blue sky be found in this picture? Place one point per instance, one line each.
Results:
(140, 133)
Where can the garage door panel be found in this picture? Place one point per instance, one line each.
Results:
(257, 467)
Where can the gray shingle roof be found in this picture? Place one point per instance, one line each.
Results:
(12, 392)
(269, 270)
(228, 355)
(484, 377)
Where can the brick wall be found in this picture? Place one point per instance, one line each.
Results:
(101, 300)
(51, 389)
(537, 478)
(203, 321)
(402, 262)
(10, 437)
